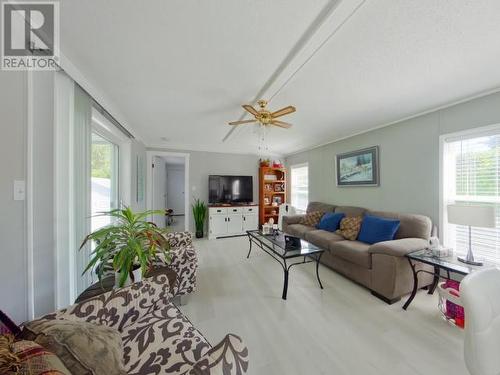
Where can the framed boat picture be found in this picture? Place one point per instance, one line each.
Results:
(358, 168)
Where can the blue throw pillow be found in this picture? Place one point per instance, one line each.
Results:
(330, 221)
(377, 229)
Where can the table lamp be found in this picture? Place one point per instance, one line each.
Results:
(471, 216)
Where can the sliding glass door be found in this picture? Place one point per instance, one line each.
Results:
(104, 179)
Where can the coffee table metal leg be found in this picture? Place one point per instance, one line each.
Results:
(317, 270)
(250, 249)
(285, 283)
(415, 286)
(434, 284)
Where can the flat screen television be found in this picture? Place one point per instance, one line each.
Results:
(230, 189)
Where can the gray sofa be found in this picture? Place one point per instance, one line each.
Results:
(381, 267)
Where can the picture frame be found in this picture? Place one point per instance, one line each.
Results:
(277, 199)
(358, 168)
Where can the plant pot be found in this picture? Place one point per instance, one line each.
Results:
(136, 273)
(199, 233)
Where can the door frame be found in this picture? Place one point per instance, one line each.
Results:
(149, 179)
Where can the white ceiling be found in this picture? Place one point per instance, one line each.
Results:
(179, 70)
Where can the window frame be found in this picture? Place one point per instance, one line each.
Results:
(477, 132)
(297, 166)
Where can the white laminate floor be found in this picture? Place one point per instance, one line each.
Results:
(340, 330)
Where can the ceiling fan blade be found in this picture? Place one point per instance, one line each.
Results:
(242, 122)
(283, 111)
(281, 124)
(249, 108)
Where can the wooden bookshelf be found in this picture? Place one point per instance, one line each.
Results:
(270, 190)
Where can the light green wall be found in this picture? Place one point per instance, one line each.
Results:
(409, 160)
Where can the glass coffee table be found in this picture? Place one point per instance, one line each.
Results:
(274, 245)
(443, 268)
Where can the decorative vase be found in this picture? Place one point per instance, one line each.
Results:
(136, 273)
(199, 233)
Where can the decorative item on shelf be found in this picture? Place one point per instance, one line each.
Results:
(273, 212)
(471, 216)
(199, 215)
(267, 201)
(358, 168)
(277, 199)
(268, 187)
(270, 177)
(264, 162)
(277, 164)
(128, 246)
(271, 222)
(279, 188)
(274, 204)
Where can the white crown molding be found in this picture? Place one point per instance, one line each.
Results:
(422, 113)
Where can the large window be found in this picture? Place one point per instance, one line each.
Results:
(471, 175)
(300, 186)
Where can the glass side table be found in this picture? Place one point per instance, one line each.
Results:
(443, 268)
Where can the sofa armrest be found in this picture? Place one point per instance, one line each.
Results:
(398, 248)
(120, 307)
(177, 239)
(292, 219)
(229, 357)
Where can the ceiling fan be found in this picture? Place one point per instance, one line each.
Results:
(264, 116)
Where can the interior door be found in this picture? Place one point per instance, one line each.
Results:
(159, 189)
(218, 225)
(175, 190)
(235, 223)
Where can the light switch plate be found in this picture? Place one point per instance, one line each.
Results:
(19, 190)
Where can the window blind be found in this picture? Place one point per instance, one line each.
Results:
(471, 175)
(300, 187)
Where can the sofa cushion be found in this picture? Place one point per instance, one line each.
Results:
(312, 218)
(377, 229)
(350, 210)
(322, 238)
(34, 359)
(349, 227)
(318, 206)
(353, 251)
(330, 221)
(85, 348)
(412, 226)
(299, 230)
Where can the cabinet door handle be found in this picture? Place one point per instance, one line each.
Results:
(228, 219)
(244, 218)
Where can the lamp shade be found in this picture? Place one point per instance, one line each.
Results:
(474, 216)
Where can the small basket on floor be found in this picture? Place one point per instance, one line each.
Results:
(450, 304)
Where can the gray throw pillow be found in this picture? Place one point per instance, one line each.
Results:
(84, 348)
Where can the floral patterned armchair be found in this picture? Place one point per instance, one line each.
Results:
(157, 338)
(183, 262)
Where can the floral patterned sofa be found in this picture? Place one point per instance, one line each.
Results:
(156, 337)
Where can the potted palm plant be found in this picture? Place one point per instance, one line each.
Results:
(199, 214)
(128, 245)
